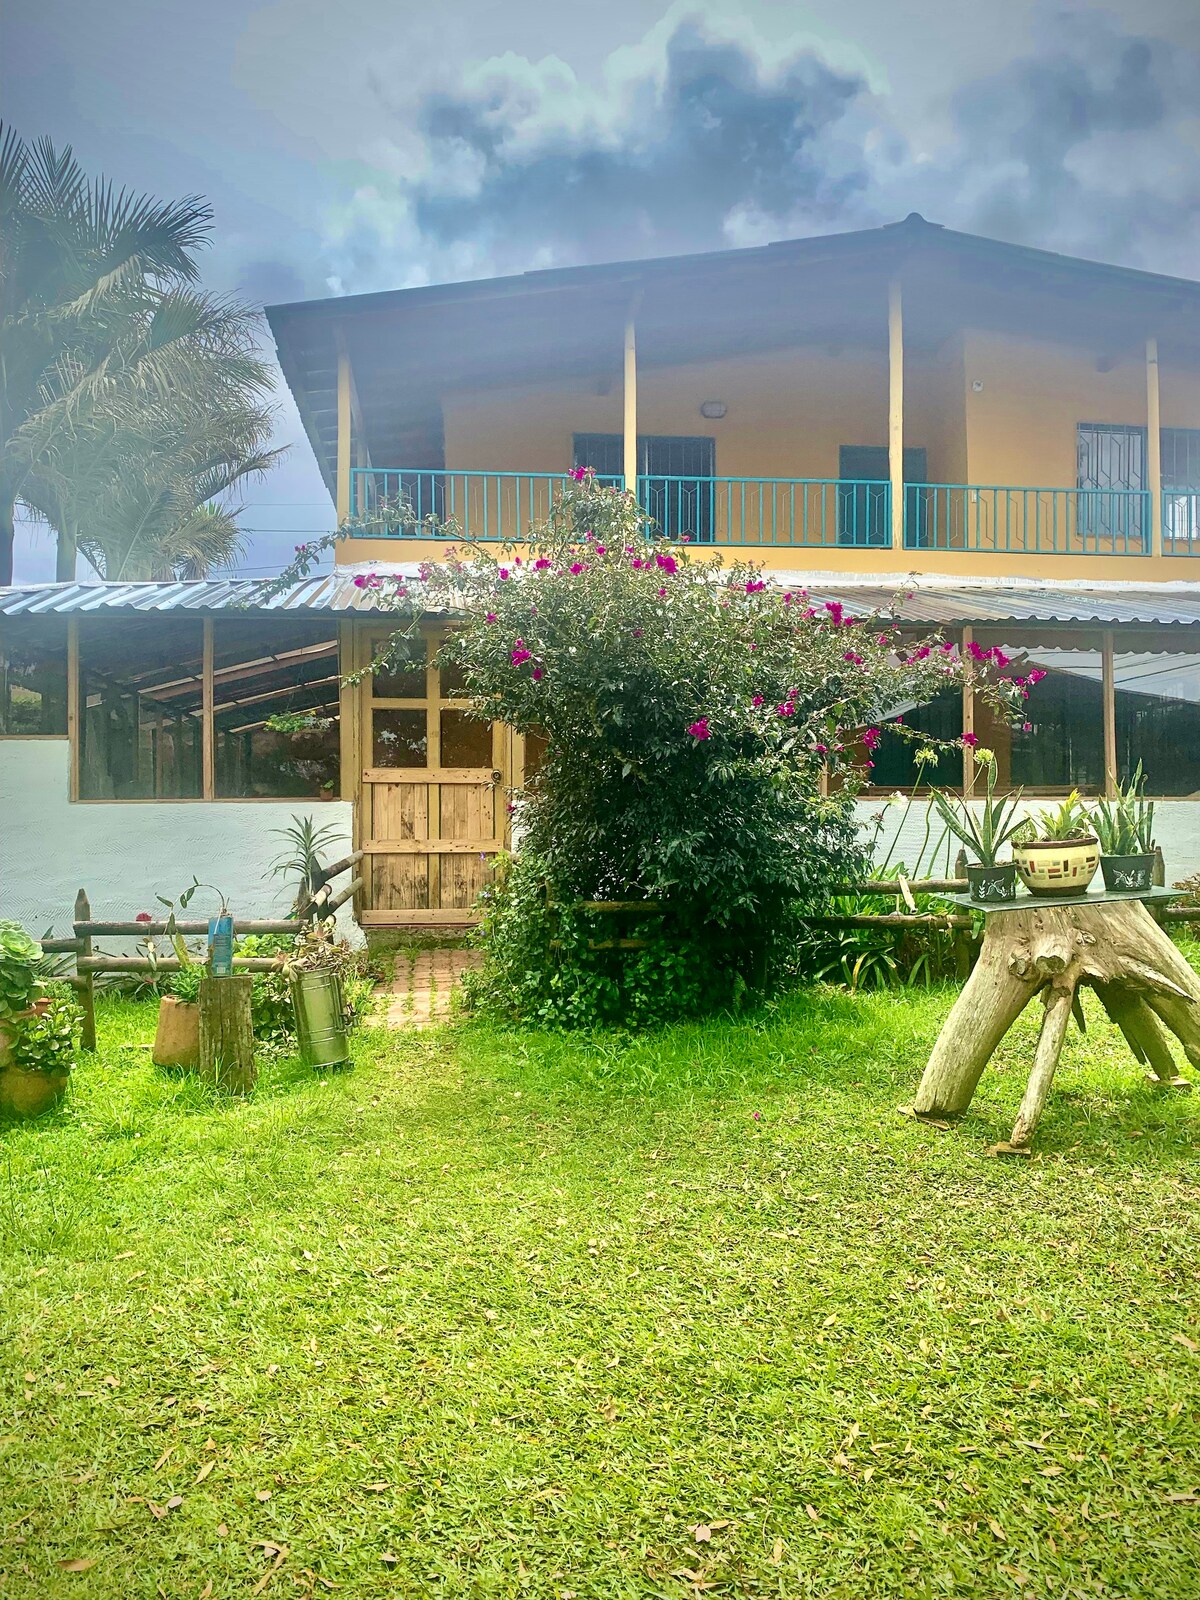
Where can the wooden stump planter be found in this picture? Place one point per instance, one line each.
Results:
(177, 1037)
(1113, 946)
(227, 1034)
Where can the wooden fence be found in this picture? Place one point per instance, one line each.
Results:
(89, 962)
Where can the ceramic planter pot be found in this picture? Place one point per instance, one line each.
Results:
(25, 1094)
(1128, 872)
(320, 1019)
(1058, 866)
(177, 1037)
(992, 885)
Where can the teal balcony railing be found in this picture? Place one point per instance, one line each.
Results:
(485, 505)
(1019, 521)
(797, 513)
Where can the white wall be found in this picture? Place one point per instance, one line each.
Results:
(124, 855)
(902, 838)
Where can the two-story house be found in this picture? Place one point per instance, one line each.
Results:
(1004, 441)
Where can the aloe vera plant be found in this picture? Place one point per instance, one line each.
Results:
(984, 833)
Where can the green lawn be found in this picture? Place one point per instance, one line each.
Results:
(504, 1314)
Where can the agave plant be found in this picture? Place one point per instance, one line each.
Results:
(985, 832)
(1124, 824)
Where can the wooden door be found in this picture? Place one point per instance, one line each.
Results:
(434, 785)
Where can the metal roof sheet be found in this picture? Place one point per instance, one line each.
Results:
(933, 600)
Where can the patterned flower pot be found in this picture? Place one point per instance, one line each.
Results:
(992, 885)
(1128, 872)
(1058, 866)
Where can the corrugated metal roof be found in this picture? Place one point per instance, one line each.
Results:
(936, 601)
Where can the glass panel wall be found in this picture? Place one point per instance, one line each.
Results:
(33, 677)
(140, 703)
(1156, 680)
(1063, 746)
(275, 709)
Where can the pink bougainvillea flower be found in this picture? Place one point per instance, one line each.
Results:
(821, 749)
(871, 738)
(637, 633)
(637, 564)
(754, 586)
(667, 563)
(144, 916)
(1036, 675)
(520, 653)
(785, 709)
(1027, 727)
(491, 617)
(578, 473)
(575, 568)
(662, 594)
(685, 538)
(537, 674)
(700, 729)
(757, 701)
(601, 550)
(787, 599)
(504, 572)
(541, 564)
(853, 658)
(835, 610)
(970, 739)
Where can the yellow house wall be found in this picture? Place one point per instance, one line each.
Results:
(1021, 424)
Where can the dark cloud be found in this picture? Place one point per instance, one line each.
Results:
(1087, 145)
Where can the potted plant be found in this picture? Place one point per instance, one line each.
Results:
(314, 972)
(40, 1055)
(1125, 827)
(177, 1035)
(21, 963)
(990, 882)
(1056, 851)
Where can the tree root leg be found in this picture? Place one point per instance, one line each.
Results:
(1140, 1026)
(991, 1001)
(1050, 1042)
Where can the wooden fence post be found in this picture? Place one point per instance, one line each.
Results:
(86, 989)
(227, 1033)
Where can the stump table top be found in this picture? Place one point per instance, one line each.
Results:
(1094, 897)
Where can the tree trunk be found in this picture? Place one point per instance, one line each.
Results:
(227, 1034)
(7, 539)
(67, 556)
(1113, 946)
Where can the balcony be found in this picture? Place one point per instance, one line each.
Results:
(795, 513)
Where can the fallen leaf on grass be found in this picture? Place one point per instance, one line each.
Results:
(270, 1573)
(222, 1531)
(78, 1564)
(777, 1553)
(163, 1459)
(1189, 1497)
(204, 1471)
(701, 1533)
(997, 1529)
(1188, 1344)
(262, 1494)
(389, 1560)
(813, 1514)
(206, 1592)
(174, 1503)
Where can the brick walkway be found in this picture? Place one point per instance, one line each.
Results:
(424, 981)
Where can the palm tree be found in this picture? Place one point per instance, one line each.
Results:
(101, 333)
(139, 488)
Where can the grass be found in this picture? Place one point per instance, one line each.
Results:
(502, 1314)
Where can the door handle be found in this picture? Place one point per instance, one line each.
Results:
(497, 775)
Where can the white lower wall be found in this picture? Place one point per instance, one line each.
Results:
(902, 836)
(125, 854)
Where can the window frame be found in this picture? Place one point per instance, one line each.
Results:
(208, 777)
(44, 738)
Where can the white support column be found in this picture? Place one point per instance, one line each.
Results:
(896, 410)
(344, 457)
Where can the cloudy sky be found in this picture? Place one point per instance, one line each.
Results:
(371, 144)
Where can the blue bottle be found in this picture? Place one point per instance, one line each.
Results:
(220, 946)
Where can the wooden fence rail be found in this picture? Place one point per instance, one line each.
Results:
(88, 962)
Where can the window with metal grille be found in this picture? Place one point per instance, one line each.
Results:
(675, 476)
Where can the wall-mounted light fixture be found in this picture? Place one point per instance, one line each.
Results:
(713, 409)
(977, 386)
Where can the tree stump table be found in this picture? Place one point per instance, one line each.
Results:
(1052, 946)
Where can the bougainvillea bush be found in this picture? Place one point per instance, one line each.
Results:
(706, 732)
